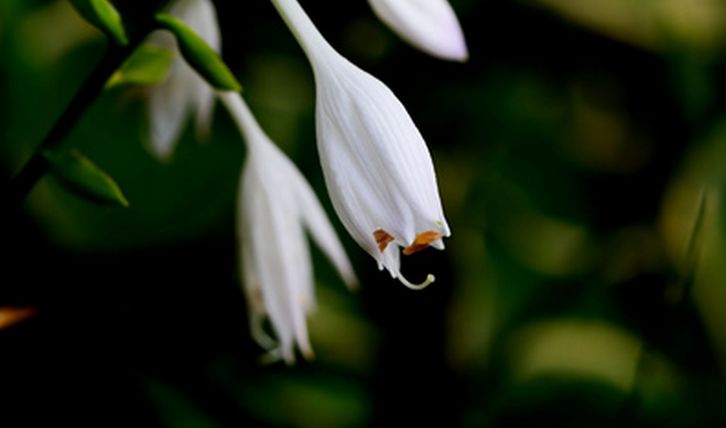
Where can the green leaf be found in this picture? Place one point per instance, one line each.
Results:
(199, 54)
(103, 15)
(148, 65)
(80, 175)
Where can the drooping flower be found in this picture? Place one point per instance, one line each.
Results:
(276, 206)
(183, 92)
(429, 25)
(377, 168)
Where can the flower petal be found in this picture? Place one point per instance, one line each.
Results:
(168, 108)
(319, 226)
(280, 261)
(377, 168)
(430, 25)
(201, 16)
(376, 163)
(274, 206)
(183, 92)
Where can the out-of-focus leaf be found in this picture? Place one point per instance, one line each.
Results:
(176, 408)
(648, 24)
(684, 213)
(340, 335)
(200, 55)
(103, 15)
(308, 402)
(80, 175)
(148, 65)
(580, 348)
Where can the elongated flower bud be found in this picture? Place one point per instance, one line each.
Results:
(377, 168)
(429, 25)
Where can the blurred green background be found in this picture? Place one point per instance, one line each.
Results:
(580, 156)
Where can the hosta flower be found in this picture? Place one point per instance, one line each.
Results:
(184, 92)
(377, 168)
(429, 25)
(276, 206)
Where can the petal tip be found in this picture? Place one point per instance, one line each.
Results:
(456, 51)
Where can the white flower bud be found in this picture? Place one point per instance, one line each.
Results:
(377, 168)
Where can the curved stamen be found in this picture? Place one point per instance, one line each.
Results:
(429, 279)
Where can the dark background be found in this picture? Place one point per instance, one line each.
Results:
(579, 151)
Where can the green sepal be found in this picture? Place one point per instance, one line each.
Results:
(199, 54)
(83, 177)
(103, 15)
(148, 65)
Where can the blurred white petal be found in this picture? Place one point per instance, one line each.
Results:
(430, 25)
(184, 92)
(322, 232)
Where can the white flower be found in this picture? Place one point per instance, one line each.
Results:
(183, 92)
(429, 25)
(276, 205)
(377, 168)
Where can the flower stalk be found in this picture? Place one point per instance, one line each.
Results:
(303, 29)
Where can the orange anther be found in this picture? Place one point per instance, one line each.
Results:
(422, 241)
(383, 238)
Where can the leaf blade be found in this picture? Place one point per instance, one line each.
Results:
(199, 55)
(83, 177)
(148, 65)
(103, 15)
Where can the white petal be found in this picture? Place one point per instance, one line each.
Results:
(320, 228)
(201, 16)
(252, 286)
(168, 108)
(184, 91)
(377, 166)
(275, 203)
(280, 264)
(204, 107)
(430, 25)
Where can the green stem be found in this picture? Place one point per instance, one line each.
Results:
(680, 300)
(692, 253)
(37, 166)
